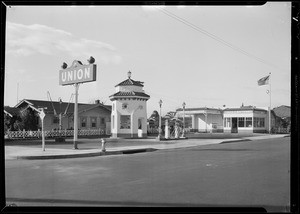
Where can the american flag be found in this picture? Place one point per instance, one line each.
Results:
(263, 81)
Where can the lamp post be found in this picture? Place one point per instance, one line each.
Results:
(183, 106)
(60, 122)
(159, 129)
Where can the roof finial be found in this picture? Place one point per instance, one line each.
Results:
(129, 74)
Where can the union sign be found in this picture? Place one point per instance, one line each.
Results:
(77, 73)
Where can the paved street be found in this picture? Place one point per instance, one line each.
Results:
(250, 173)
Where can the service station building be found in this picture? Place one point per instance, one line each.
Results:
(129, 110)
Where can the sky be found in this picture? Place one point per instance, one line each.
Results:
(205, 56)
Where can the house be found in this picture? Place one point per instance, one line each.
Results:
(247, 119)
(90, 116)
(202, 119)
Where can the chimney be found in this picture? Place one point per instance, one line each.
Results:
(97, 101)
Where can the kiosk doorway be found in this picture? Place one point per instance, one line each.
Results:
(234, 127)
(140, 129)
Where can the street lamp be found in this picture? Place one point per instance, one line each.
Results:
(60, 122)
(183, 106)
(159, 130)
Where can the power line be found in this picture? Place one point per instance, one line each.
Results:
(174, 16)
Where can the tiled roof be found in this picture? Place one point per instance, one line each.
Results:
(130, 82)
(129, 94)
(283, 111)
(61, 108)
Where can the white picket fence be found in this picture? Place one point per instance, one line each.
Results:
(56, 133)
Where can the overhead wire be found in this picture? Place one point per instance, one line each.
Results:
(189, 24)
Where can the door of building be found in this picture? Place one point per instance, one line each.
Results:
(234, 127)
(140, 127)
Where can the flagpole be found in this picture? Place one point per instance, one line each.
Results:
(270, 125)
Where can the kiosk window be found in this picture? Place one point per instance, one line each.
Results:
(125, 122)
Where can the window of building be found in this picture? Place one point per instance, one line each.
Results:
(125, 122)
(262, 122)
(83, 122)
(227, 122)
(102, 120)
(259, 122)
(241, 122)
(94, 122)
(248, 121)
(124, 105)
(255, 122)
(55, 120)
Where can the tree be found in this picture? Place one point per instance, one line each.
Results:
(29, 120)
(155, 118)
(10, 121)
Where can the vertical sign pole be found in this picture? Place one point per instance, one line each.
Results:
(270, 125)
(76, 116)
(183, 131)
(42, 115)
(43, 135)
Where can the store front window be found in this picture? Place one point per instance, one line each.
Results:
(259, 122)
(241, 122)
(227, 122)
(248, 121)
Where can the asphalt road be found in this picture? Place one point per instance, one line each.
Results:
(251, 173)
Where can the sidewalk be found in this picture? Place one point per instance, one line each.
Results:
(122, 146)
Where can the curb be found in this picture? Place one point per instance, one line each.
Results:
(45, 157)
(234, 141)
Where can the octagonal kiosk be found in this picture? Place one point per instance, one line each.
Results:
(129, 110)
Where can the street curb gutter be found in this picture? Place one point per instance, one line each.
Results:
(234, 141)
(44, 157)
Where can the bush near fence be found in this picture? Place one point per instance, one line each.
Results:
(54, 133)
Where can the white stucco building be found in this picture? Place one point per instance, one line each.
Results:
(129, 110)
(202, 119)
(247, 119)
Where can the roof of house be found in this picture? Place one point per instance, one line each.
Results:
(12, 111)
(130, 81)
(283, 111)
(197, 109)
(244, 108)
(59, 107)
(129, 94)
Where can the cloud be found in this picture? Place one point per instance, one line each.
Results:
(26, 40)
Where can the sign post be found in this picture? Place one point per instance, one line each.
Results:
(76, 85)
(75, 74)
(42, 115)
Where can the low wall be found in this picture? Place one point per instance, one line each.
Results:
(126, 135)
